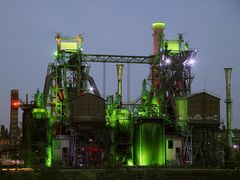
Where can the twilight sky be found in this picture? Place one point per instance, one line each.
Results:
(28, 27)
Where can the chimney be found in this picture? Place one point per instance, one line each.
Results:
(228, 102)
(119, 76)
(158, 35)
(14, 105)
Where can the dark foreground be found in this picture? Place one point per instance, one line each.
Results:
(123, 173)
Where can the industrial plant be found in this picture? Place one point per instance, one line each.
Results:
(70, 124)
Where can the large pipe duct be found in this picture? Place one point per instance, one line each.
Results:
(228, 105)
(119, 76)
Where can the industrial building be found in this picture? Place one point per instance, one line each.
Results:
(69, 124)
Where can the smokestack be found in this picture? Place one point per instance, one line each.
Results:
(228, 105)
(158, 28)
(15, 104)
(119, 76)
(158, 36)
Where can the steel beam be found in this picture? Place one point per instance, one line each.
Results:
(116, 58)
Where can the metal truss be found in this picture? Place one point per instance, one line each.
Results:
(130, 59)
(207, 150)
(116, 58)
(187, 153)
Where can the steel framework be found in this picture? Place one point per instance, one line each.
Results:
(116, 58)
(68, 77)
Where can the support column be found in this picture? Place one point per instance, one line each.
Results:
(104, 80)
(128, 83)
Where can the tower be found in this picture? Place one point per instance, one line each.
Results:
(15, 104)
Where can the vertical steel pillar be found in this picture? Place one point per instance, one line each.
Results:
(104, 80)
(128, 83)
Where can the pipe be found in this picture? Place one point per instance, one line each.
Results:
(119, 76)
(228, 105)
(26, 99)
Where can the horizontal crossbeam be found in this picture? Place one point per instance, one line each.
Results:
(116, 58)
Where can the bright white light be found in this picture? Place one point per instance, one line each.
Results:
(168, 61)
(91, 88)
(189, 62)
(163, 57)
(235, 146)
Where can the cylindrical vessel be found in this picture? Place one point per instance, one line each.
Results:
(119, 76)
(228, 105)
(158, 28)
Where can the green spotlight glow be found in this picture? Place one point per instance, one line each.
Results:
(149, 144)
(38, 110)
(48, 162)
(130, 162)
(182, 113)
(38, 99)
(173, 45)
(56, 55)
(112, 119)
(39, 113)
(70, 46)
(124, 119)
(158, 25)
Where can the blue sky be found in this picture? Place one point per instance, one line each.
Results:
(27, 30)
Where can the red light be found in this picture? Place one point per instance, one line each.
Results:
(15, 104)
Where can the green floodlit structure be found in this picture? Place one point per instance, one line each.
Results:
(133, 134)
(158, 25)
(149, 144)
(158, 108)
(40, 113)
(182, 116)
